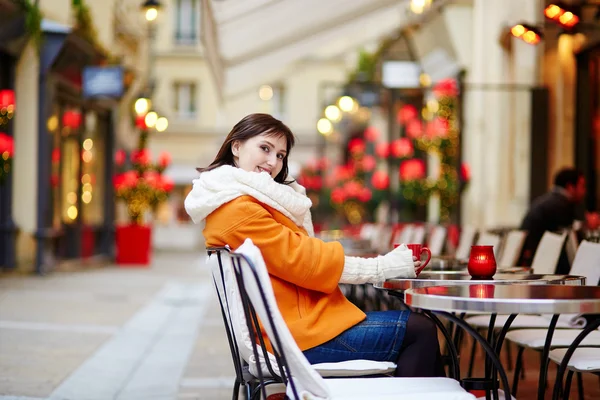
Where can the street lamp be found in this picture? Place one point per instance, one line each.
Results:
(151, 9)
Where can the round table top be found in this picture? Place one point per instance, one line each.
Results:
(507, 299)
(426, 279)
(464, 271)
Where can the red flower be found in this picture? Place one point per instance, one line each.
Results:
(141, 157)
(140, 122)
(120, 157)
(365, 195)
(164, 159)
(465, 172)
(6, 145)
(446, 87)
(338, 195)
(371, 134)
(368, 163)
(356, 146)
(402, 147)
(71, 119)
(126, 180)
(382, 149)
(438, 128)
(414, 129)
(412, 169)
(7, 98)
(55, 156)
(406, 113)
(352, 189)
(166, 183)
(380, 180)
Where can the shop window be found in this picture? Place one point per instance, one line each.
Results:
(93, 169)
(186, 22)
(185, 100)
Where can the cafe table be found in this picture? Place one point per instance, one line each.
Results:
(503, 298)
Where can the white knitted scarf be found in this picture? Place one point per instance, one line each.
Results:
(226, 183)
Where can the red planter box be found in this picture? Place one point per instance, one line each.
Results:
(133, 245)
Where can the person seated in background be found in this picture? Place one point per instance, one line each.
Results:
(246, 192)
(554, 211)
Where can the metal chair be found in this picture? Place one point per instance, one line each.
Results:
(301, 378)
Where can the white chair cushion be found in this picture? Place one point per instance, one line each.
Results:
(390, 388)
(522, 321)
(536, 338)
(355, 368)
(583, 359)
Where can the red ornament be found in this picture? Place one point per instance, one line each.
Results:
(141, 157)
(380, 180)
(7, 99)
(140, 122)
(413, 169)
(382, 149)
(482, 263)
(402, 147)
(371, 134)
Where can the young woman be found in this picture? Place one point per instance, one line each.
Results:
(246, 193)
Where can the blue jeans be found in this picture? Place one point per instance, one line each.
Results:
(378, 338)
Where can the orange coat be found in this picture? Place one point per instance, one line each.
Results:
(304, 271)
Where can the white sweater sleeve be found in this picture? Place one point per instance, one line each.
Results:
(398, 263)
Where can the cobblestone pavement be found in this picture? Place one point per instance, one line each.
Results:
(114, 333)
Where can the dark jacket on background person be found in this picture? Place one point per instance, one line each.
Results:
(554, 212)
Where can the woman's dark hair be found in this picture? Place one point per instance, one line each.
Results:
(250, 126)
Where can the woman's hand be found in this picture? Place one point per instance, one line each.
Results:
(418, 265)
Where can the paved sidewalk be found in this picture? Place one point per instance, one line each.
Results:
(114, 333)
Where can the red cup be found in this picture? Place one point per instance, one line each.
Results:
(417, 251)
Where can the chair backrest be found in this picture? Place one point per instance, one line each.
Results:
(254, 281)
(220, 261)
(547, 253)
(467, 237)
(405, 235)
(418, 235)
(587, 262)
(571, 245)
(436, 240)
(490, 239)
(513, 245)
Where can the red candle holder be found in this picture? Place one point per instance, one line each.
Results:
(482, 263)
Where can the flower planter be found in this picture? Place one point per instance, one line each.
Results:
(133, 245)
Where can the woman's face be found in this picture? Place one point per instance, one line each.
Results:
(262, 153)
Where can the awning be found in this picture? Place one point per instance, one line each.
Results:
(181, 174)
(252, 42)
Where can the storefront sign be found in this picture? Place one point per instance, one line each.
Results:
(102, 82)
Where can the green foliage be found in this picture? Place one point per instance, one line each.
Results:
(33, 21)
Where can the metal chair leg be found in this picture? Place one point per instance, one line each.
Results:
(580, 385)
(568, 385)
(509, 360)
(472, 359)
(518, 367)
